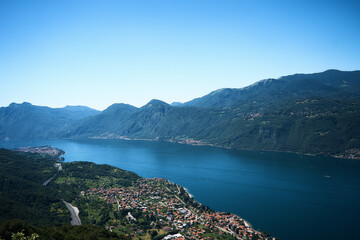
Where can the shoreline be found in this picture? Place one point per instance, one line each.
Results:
(246, 223)
(187, 191)
(193, 142)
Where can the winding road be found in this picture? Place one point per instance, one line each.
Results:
(74, 211)
(75, 220)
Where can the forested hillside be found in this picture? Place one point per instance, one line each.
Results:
(20, 121)
(22, 194)
(111, 203)
(28, 207)
(304, 113)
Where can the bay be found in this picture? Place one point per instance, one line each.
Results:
(291, 196)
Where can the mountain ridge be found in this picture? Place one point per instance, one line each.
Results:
(26, 120)
(329, 79)
(304, 113)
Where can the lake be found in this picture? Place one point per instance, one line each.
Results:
(290, 196)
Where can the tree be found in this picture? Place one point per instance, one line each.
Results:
(21, 236)
(154, 234)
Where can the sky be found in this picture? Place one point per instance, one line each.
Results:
(96, 53)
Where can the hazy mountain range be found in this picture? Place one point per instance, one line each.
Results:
(29, 121)
(305, 113)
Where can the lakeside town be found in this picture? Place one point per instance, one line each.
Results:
(48, 150)
(170, 208)
(151, 208)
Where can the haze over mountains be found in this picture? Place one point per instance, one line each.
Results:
(305, 113)
(29, 121)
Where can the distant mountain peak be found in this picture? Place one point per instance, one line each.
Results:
(156, 103)
(260, 83)
(79, 108)
(75, 106)
(120, 106)
(332, 70)
(20, 104)
(71, 107)
(176, 104)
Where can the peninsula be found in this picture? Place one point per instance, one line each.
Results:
(127, 205)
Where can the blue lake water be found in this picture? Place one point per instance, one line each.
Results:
(291, 196)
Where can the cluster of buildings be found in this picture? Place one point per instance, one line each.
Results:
(54, 152)
(350, 154)
(164, 203)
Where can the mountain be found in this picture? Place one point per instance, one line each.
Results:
(123, 120)
(28, 121)
(79, 112)
(112, 119)
(305, 113)
(155, 120)
(331, 83)
(176, 104)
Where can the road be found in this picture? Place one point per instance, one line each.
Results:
(74, 211)
(58, 165)
(47, 181)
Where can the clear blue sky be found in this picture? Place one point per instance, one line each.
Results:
(96, 53)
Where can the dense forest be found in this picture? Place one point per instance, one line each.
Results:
(21, 230)
(22, 193)
(30, 207)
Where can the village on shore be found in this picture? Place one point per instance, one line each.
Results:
(171, 209)
(161, 209)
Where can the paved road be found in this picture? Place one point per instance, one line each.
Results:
(47, 181)
(74, 211)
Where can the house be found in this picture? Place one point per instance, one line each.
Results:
(175, 236)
